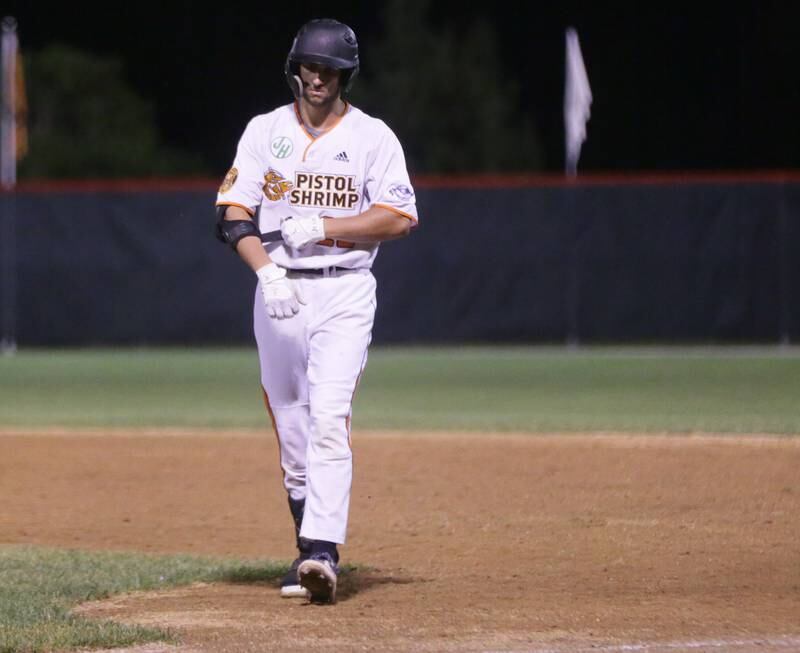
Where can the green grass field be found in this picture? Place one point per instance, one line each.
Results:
(473, 388)
(39, 586)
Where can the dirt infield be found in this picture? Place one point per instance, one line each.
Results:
(467, 543)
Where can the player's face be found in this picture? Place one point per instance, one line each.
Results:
(320, 83)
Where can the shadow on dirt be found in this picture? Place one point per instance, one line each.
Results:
(356, 581)
(352, 580)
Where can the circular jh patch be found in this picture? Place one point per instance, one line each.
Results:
(281, 147)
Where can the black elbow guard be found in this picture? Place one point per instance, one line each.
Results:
(232, 231)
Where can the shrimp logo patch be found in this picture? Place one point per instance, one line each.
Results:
(276, 185)
(229, 181)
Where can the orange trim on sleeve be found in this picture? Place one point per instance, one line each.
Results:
(250, 212)
(398, 211)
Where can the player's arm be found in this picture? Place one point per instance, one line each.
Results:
(249, 248)
(239, 194)
(236, 227)
(374, 225)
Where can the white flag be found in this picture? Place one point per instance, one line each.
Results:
(8, 117)
(577, 100)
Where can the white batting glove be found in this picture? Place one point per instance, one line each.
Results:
(301, 232)
(282, 298)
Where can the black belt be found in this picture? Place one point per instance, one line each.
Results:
(321, 271)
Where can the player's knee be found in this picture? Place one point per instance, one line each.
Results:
(294, 476)
(331, 438)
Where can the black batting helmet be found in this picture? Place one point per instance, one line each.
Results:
(327, 42)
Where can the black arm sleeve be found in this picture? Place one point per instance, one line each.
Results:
(232, 231)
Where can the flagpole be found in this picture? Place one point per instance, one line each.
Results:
(8, 181)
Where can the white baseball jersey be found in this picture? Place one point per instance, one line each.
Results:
(311, 362)
(282, 170)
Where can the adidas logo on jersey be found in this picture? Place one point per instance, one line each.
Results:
(342, 156)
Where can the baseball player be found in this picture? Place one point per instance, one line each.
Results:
(331, 183)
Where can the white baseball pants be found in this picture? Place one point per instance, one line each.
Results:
(310, 366)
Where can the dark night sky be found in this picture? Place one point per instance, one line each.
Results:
(679, 85)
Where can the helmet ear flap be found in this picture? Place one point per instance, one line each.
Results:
(348, 76)
(296, 85)
(292, 74)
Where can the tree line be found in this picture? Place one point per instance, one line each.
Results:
(444, 93)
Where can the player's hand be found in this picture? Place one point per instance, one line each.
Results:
(282, 297)
(301, 232)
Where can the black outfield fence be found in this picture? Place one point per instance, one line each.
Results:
(507, 259)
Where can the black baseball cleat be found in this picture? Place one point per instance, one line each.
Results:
(290, 584)
(318, 575)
